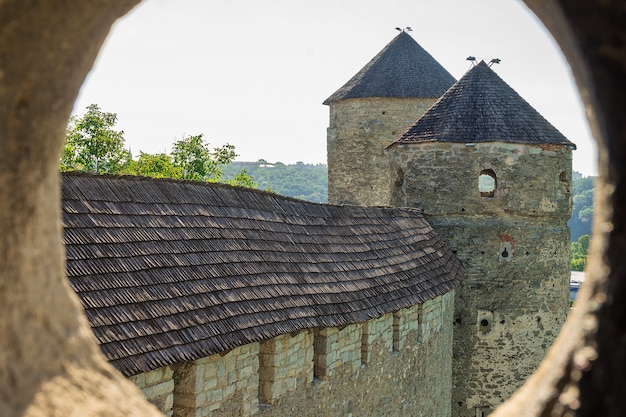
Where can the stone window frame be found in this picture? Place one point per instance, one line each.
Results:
(490, 193)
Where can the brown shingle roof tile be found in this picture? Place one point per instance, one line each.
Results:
(174, 271)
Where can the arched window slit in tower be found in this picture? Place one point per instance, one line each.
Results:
(487, 183)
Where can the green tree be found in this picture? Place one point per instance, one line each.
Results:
(582, 207)
(194, 159)
(93, 144)
(243, 180)
(579, 251)
(304, 181)
(157, 166)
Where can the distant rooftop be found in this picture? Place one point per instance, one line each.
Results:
(481, 107)
(402, 69)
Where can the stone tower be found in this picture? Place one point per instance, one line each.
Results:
(493, 177)
(383, 99)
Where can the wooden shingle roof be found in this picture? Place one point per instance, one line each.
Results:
(172, 271)
(481, 107)
(401, 69)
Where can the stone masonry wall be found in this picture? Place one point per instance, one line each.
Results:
(408, 372)
(285, 361)
(442, 179)
(357, 135)
(415, 380)
(337, 349)
(377, 332)
(219, 383)
(407, 326)
(158, 388)
(514, 244)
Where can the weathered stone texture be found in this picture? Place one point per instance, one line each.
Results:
(514, 245)
(399, 364)
(407, 327)
(377, 332)
(210, 385)
(337, 348)
(285, 361)
(442, 179)
(508, 312)
(158, 388)
(358, 133)
(413, 381)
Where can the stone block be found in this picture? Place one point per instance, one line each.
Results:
(154, 391)
(154, 377)
(139, 380)
(210, 384)
(229, 391)
(169, 402)
(210, 372)
(199, 377)
(246, 372)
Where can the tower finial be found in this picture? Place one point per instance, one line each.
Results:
(406, 29)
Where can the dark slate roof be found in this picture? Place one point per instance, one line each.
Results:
(402, 69)
(174, 271)
(481, 107)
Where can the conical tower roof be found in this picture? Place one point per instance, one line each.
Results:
(481, 107)
(402, 69)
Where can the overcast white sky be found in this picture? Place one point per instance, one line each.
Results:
(255, 73)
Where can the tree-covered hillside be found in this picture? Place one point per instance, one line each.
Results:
(304, 181)
(582, 207)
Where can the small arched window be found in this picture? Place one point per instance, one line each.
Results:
(487, 183)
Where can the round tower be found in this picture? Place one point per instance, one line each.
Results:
(493, 177)
(384, 98)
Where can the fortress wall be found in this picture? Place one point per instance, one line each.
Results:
(414, 380)
(276, 377)
(337, 348)
(442, 179)
(285, 362)
(358, 132)
(508, 310)
(222, 382)
(377, 332)
(158, 387)
(433, 320)
(406, 327)
(514, 245)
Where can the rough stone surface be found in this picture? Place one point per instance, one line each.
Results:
(158, 388)
(222, 384)
(50, 364)
(514, 244)
(358, 133)
(414, 381)
(284, 361)
(399, 364)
